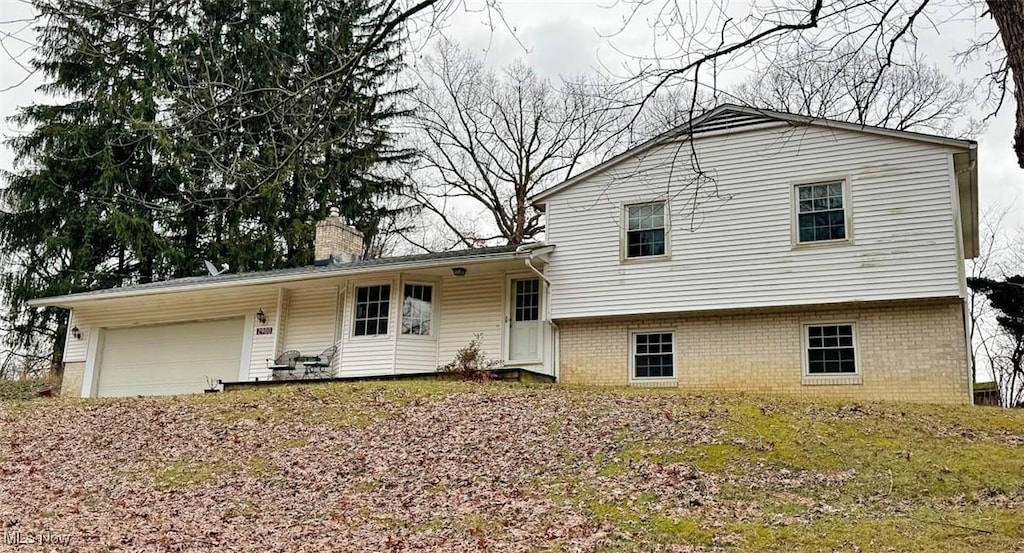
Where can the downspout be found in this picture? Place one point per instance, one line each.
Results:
(555, 346)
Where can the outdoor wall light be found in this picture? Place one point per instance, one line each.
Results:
(261, 316)
(76, 333)
(459, 271)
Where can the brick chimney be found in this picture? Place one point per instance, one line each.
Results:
(336, 241)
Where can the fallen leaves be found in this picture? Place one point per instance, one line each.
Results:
(441, 467)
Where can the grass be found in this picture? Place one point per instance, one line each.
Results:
(611, 469)
(907, 478)
(184, 473)
(191, 472)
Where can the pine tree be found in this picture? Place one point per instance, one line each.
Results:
(286, 133)
(187, 130)
(79, 214)
(1006, 355)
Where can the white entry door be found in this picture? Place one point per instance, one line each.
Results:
(524, 321)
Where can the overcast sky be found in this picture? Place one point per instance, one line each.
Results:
(558, 37)
(564, 36)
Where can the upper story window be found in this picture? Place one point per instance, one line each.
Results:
(417, 309)
(830, 349)
(373, 304)
(645, 230)
(821, 212)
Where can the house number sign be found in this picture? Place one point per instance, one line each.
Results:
(264, 330)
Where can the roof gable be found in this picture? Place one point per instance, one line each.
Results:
(720, 119)
(730, 117)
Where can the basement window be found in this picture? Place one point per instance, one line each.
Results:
(830, 349)
(373, 304)
(653, 355)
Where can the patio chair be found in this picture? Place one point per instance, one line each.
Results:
(284, 362)
(321, 367)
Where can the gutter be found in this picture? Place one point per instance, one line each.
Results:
(128, 292)
(555, 346)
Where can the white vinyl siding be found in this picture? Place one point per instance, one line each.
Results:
(416, 356)
(372, 354)
(312, 329)
(75, 349)
(310, 319)
(735, 250)
(473, 304)
(465, 306)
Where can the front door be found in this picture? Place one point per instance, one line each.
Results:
(524, 321)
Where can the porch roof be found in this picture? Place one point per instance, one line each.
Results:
(309, 272)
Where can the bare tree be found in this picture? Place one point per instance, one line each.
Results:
(669, 108)
(914, 97)
(491, 140)
(995, 348)
(696, 41)
(990, 263)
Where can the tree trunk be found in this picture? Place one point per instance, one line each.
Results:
(1009, 17)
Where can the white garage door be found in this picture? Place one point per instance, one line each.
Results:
(169, 359)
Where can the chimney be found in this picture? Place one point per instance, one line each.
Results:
(335, 241)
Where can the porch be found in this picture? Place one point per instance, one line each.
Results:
(504, 374)
(411, 322)
(386, 318)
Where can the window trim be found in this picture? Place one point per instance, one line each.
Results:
(794, 212)
(624, 231)
(434, 288)
(355, 307)
(632, 356)
(856, 377)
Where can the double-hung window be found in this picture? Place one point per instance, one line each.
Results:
(417, 309)
(653, 355)
(645, 230)
(373, 304)
(831, 349)
(821, 212)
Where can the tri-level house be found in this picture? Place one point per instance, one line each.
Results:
(748, 250)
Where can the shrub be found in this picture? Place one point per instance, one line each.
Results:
(472, 364)
(26, 388)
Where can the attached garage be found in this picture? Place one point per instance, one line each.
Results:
(169, 359)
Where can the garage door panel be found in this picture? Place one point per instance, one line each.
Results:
(169, 359)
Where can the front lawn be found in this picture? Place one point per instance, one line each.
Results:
(463, 467)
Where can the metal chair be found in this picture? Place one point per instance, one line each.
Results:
(321, 367)
(284, 362)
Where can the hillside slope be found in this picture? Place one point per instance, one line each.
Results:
(459, 467)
